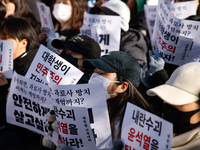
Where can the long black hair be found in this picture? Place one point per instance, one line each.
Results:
(117, 105)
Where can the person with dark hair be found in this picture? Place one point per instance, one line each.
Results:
(2, 11)
(182, 105)
(26, 45)
(76, 50)
(120, 74)
(20, 9)
(67, 16)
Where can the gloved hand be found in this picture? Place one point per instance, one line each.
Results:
(118, 145)
(49, 40)
(63, 146)
(156, 62)
(144, 76)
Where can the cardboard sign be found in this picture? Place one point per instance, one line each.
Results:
(27, 105)
(91, 96)
(143, 130)
(47, 62)
(108, 31)
(6, 58)
(45, 19)
(74, 127)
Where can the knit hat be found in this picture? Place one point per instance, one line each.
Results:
(116, 7)
(81, 44)
(183, 86)
(119, 62)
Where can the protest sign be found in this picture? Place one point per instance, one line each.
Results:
(6, 58)
(45, 19)
(180, 10)
(108, 30)
(91, 96)
(186, 28)
(173, 49)
(27, 105)
(150, 15)
(183, 10)
(47, 62)
(74, 127)
(143, 130)
(169, 25)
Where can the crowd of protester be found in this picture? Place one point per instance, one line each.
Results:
(133, 74)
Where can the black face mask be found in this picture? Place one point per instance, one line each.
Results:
(72, 60)
(180, 120)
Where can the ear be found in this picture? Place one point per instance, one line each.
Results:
(122, 88)
(23, 44)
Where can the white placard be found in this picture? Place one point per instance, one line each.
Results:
(186, 28)
(183, 10)
(6, 58)
(45, 19)
(143, 130)
(91, 96)
(180, 10)
(108, 31)
(49, 63)
(27, 105)
(150, 14)
(74, 127)
(174, 49)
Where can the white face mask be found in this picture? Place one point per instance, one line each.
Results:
(97, 78)
(62, 12)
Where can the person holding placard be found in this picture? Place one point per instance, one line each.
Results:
(132, 40)
(76, 50)
(120, 74)
(182, 105)
(26, 45)
(67, 17)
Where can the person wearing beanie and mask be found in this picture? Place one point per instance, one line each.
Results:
(67, 16)
(132, 40)
(181, 95)
(77, 49)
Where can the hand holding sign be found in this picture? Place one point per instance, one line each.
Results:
(156, 62)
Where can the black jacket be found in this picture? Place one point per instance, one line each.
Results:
(21, 65)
